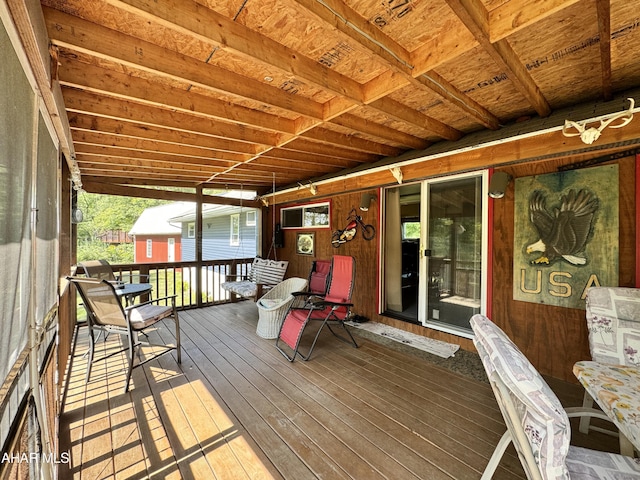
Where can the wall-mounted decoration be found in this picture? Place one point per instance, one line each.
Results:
(305, 243)
(350, 231)
(565, 235)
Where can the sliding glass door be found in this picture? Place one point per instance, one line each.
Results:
(435, 252)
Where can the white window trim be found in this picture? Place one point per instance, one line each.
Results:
(251, 218)
(234, 237)
(149, 248)
(303, 207)
(191, 230)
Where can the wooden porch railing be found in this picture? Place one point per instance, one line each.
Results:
(195, 284)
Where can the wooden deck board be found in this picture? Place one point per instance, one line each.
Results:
(236, 408)
(350, 448)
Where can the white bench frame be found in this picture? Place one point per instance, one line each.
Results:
(263, 275)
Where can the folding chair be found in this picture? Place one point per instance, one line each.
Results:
(613, 322)
(333, 308)
(105, 313)
(537, 424)
(319, 277)
(129, 290)
(102, 270)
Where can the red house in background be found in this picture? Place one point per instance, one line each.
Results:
(155, 239)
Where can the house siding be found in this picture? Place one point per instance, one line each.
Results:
(159, 249)
(216, 240)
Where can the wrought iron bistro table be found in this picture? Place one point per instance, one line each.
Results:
(616, 389)
(129, 291)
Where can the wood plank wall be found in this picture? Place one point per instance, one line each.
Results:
(365, 252)
(553, 338)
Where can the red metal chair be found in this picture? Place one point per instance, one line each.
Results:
(332, 309)
(319, 277)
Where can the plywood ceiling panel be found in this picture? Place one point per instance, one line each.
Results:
(231, 91)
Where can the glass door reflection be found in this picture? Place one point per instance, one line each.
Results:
(454, 252)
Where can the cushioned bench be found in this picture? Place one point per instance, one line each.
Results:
(263, 275)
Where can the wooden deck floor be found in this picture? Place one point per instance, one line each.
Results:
(236, 408)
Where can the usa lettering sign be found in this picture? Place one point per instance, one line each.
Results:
(565, 235)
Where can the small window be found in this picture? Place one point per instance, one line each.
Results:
(410, 230)
(235, 230)
(251, 218)
(312, 215)
(191, 230)
(149, 248)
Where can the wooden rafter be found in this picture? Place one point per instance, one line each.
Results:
(475, 17)
(306, 88)
(603, 8)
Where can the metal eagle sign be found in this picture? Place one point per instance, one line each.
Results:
(565, 235)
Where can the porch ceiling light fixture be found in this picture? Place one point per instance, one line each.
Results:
(397, 173)
(591, 134)
(498, 184)
(365, 201)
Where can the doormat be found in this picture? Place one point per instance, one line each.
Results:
(436, 347)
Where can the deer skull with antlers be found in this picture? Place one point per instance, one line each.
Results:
(591, 134)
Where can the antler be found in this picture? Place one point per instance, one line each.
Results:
(572, 124)
(591, 134)
(625, 116)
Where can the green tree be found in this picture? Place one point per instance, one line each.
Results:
(104, 213)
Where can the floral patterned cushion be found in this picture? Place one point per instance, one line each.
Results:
(614, 388)
(613, 321)
(543, 419)
(244, 288)
(585, 464)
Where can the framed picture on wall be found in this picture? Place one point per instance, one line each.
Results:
(305, 243)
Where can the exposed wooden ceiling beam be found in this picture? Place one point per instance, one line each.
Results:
(165, 138)
(466, 104)
(77, 34)
(349, 141)
(124, 110)
(344, 18)
(208, 25)
(293, 155)
(475, 17)
(150, 156)
(400, 111)
(83, 139)
(83, 36)
(603, 8)
(128, 87)
(336, 13)
(360, 124)
(112, 163)
(514, 15)
(97, 185)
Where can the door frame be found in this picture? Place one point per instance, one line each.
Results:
(423, 260)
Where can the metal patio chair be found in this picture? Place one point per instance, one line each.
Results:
(102, 270)
(537, 424)
(105, 313)
(613, 322)
(330, 309)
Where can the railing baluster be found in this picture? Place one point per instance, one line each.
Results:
(173, 278)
